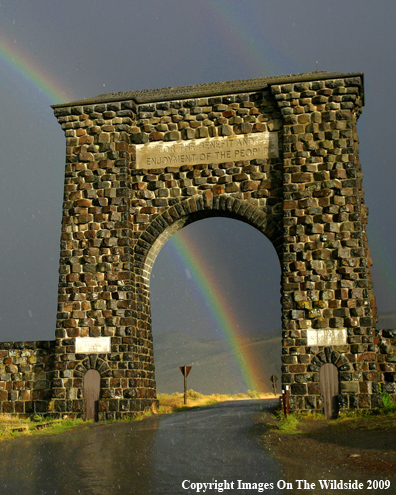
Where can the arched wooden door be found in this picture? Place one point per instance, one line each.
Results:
(328, 379)
(91, 394)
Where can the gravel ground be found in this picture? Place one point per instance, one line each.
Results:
(361, 448)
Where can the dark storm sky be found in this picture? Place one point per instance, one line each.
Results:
(54, 51)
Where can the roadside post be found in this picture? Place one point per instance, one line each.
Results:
(185, 370)
(285, 401)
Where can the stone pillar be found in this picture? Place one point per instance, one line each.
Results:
(98, 299)
(328, 304)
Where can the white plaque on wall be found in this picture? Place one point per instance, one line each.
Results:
(92, 345)
(161, 154)
(328, 336)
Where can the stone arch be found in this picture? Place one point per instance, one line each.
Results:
(161, 229)
(195, 208)
(298, 189)
(304, 379)
(92, 362)
(328, 356)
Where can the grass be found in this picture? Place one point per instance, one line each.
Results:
(387, 403)
(285, 424)
(12, 426)
(383, 418)
(378, 419)
(289, 424)
(175, 402)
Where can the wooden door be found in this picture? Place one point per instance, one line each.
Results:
(91, 394)
(328, 379)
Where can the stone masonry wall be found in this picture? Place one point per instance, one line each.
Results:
(386, 358)
(26, 370)
(326, 272)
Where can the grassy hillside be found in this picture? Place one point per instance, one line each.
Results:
(214, 367)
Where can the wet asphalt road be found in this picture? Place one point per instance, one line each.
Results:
(165, 455)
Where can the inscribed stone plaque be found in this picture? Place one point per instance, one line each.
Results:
(328, 336)
(91, 345)
(208, 150)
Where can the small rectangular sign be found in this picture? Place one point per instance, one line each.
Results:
(207, 150)
(328, 336)
(92, 345)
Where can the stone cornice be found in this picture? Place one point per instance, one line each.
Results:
(208, 89)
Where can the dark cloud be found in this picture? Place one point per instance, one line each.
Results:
(87, 48)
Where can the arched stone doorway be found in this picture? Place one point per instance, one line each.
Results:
(192, 210)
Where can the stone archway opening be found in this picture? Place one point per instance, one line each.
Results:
(226, 313)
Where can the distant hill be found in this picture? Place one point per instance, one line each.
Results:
(387, 320)
(214, 368)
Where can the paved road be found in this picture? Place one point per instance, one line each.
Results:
(166, 455)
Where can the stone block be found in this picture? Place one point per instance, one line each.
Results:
(349, 387)
(298, 389)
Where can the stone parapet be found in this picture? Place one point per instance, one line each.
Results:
(26, 371)
(386, 359)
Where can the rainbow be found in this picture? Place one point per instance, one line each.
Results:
(220, 309)
(237, 30)
(23, 61)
